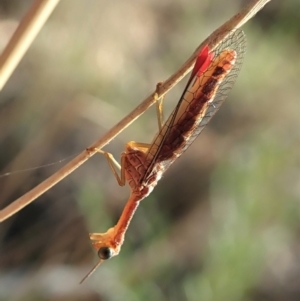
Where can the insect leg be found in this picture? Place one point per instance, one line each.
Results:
(138, 145)
(159, 106)
(114, 166)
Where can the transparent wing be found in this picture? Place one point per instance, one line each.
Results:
(162, 154)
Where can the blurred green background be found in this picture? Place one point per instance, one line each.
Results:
(223, 223)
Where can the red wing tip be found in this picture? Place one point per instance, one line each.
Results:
(204, 58)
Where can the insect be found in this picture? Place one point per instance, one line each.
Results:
(142, 165)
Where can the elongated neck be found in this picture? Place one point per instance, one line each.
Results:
(125, 218)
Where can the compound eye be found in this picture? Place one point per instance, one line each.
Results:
(105, 253)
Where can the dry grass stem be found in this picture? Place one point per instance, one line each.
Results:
(22, 38)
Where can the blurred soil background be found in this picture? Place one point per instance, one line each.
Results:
(223, 223)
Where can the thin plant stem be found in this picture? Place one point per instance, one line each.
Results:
(22, 38)
(213, 40)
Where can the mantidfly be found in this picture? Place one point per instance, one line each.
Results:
(142, 165)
